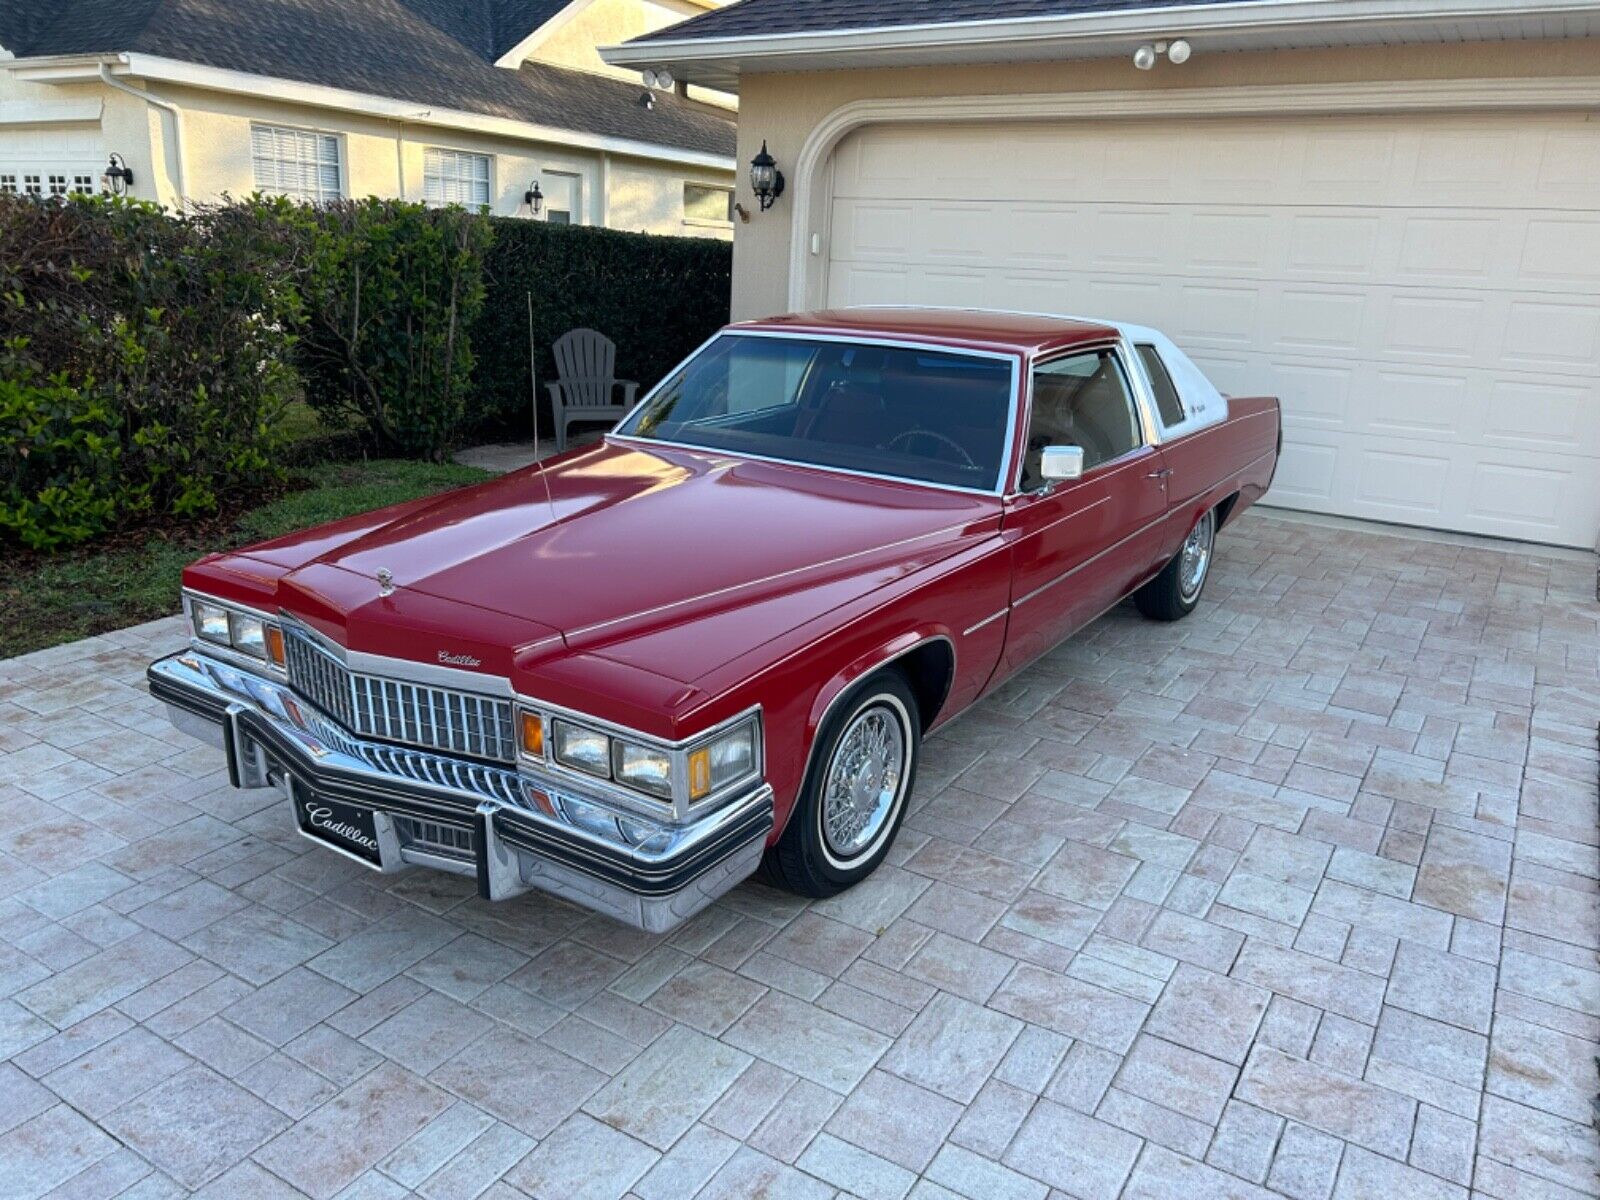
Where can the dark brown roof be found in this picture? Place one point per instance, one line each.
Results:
(430, 52)
(761, 18)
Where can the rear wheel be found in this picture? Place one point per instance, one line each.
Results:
(1176, 591)
(855, 792)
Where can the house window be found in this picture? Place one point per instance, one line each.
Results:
(563, 195)
(455, 177)
(702, 203)
(8, 184)
(58, 185)
(83, 185)
(30, 186)
(296, 162)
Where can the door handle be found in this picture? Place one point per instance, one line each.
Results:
(1159, 473)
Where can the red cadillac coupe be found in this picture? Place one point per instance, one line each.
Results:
(712, 644)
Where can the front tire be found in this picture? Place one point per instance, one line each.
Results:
(1175, 593)
(855, 793)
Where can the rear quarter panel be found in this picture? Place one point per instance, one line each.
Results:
(1238, 456)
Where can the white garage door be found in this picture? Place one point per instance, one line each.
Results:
(1423, 293)
(51, 160)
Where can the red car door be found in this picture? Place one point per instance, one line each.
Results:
(1079, 546)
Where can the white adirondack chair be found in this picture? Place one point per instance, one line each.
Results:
(587, 390)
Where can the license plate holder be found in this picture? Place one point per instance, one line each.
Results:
(349, 828)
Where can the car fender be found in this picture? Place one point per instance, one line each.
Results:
(863, 665)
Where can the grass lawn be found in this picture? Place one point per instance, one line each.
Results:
(49, 599)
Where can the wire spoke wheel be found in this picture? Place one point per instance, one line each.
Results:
(1195, 558)
(864, 781)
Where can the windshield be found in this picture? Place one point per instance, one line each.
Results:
(931, 416)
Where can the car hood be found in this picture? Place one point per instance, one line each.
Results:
(617, 543)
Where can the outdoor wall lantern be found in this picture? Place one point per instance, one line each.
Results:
(533, 198)
(765, 178)
(118, 177)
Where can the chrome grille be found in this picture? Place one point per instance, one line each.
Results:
(424, 768)
(369, 705)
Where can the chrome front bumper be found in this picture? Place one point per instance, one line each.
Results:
(511, 831)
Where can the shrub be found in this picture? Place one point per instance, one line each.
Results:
(657, 298)
(144, 363)
(389, 290)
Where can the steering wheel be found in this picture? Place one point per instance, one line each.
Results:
(932, 435)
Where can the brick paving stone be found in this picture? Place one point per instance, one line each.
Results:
(896, 1120)
(1433, 983)
(49, 1149)
(1162, 1173)
(1209, 1012)
(1306, 1164)
(1338, 1104)
(1245, 1141)
(1178, 1078)
(1367, 1176)
(952, 1047)
(1073, 1152)
(1300, 894)
(195, 1125)
(583, 1159)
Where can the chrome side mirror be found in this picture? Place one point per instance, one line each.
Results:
(1060, 463)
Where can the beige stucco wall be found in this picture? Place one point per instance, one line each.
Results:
(128, 127)
(380, 157)
(784, 109)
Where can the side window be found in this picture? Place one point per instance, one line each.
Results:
(1082, 400)
(1167, 402)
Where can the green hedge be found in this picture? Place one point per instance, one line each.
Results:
(657, 298)
(389, 291)
(144, 361)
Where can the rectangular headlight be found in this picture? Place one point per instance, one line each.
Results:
(249, 635)
(642, 767)
(726, 760)
(582, 749)
(211, 622)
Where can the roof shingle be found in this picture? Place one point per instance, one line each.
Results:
(762, 18)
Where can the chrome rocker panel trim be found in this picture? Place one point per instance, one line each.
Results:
(528, 830)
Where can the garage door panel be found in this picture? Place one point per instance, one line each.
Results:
(1423, 293)
(1561, 252)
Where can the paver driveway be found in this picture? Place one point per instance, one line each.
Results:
(1296, 895)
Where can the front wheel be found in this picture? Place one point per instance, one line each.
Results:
(854, 796)
(1176, 591)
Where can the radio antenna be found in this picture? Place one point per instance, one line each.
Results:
(533, 387)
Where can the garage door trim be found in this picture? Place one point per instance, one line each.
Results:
(808, 267)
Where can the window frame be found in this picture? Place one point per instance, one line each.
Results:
(341, 161)
(708, 222)
(578, 181)
(457, 155)
(1139, 350)
(1120, 352)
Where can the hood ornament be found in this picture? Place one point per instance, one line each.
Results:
(385, 581)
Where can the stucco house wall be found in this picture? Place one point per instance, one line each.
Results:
(785, 109)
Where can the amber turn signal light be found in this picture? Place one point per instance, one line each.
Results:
(275, 645)
(532, 735)
(700, 773)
